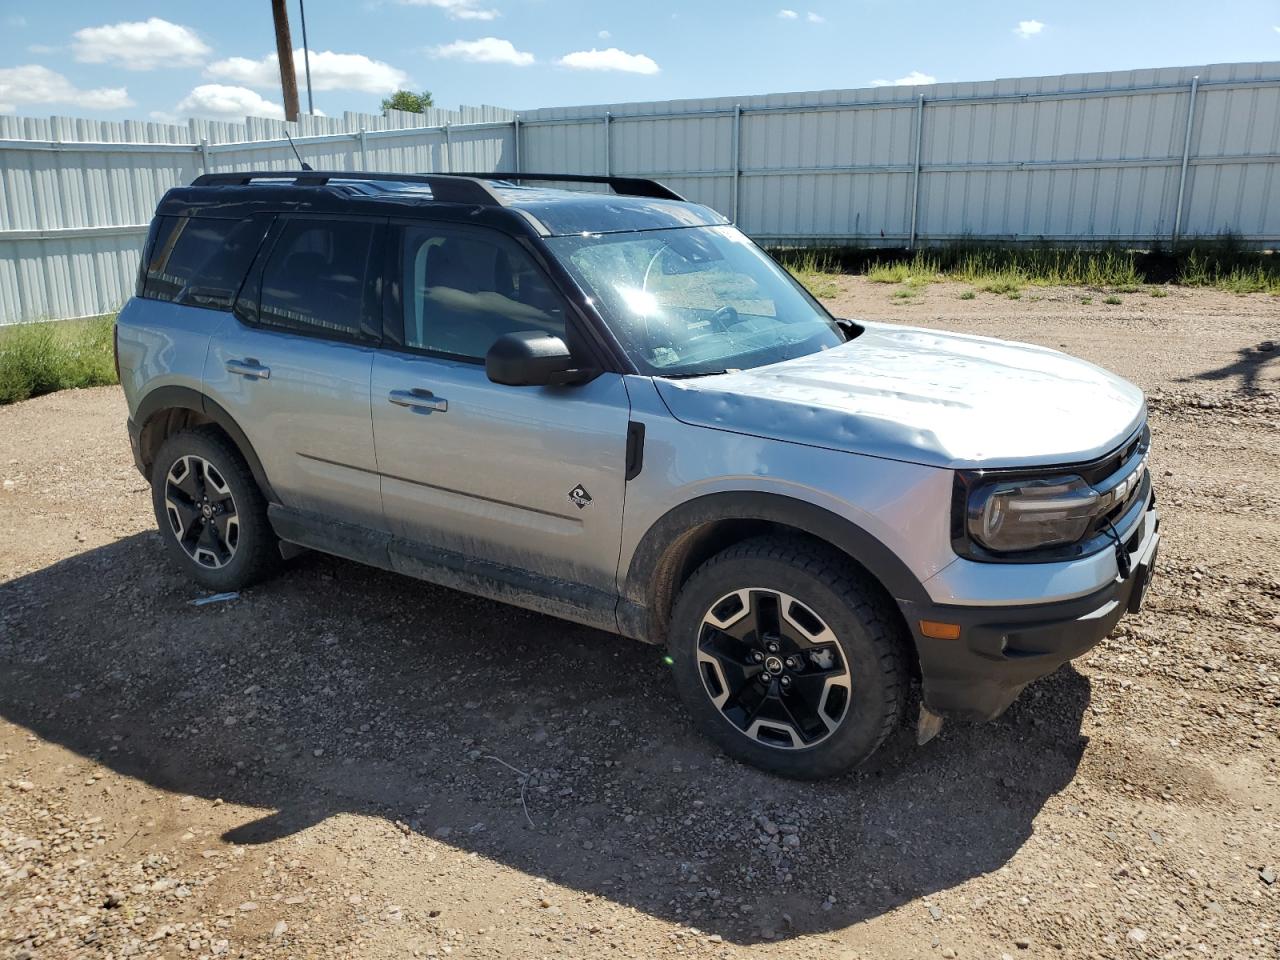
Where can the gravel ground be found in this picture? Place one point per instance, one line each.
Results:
(346, 763)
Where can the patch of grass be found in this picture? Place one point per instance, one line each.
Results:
(1158, 292)
(1086, 300)
(968, 295)
(1112, 299)
(1223, 263)
(37, 358)
(1014, 295)
(816, 270)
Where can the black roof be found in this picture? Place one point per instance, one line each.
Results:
(635, 204)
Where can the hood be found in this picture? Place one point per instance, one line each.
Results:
(941, 399)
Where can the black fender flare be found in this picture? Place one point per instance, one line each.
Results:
(644, 574)
(185, 398)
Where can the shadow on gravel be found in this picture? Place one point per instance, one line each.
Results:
(337, 688)
(1245, 371)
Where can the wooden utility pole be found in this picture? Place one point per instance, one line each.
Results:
(284, 51)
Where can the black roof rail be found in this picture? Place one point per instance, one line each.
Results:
(627, 186)
(447, 188)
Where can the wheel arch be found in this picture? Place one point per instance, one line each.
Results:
(691, 533)
(166, 410)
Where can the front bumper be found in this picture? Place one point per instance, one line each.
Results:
(1001, 649)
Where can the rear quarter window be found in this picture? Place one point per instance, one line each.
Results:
(200, 261)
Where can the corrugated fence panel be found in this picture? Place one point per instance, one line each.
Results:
(76, 196)
(1096, 157)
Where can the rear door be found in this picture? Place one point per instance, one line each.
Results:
(528, 480)
(292, 363)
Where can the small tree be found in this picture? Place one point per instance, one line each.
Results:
(408, 101)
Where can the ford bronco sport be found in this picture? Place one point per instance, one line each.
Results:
(616, 409)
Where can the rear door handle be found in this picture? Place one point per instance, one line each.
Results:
(248, 367)
(417, 399)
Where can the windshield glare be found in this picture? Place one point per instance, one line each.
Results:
(696, 300)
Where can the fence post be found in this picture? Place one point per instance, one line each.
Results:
(1186, 156)
(448, 149)
(515, 130)
(204, 154)
(364, 148)
(915, 177)
(608, 159)
(736, 150)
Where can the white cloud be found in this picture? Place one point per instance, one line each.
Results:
(611, 59)
(605, 34)
(788, 15)
(484, 50)
(141, 45)
(329, 71)
(15, 20)
(457, 9)
(33, 84)
(42, 49)
(913, 79)
(815, 17)
(217, 101)
(1276, 29)
(1026, 29)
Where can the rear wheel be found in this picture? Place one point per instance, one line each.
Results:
(787, 658)
(210, 512)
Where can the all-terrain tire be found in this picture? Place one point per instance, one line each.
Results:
(231, 557)
(850, 611)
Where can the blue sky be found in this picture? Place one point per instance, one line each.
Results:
(118, 60)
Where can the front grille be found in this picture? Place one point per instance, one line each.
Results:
(1122, 475)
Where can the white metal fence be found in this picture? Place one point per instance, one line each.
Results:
(1135, 157)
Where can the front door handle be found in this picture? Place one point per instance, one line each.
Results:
(248, 367)
(419, 400)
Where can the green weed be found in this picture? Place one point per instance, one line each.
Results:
(37, 358)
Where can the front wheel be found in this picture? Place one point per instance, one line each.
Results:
(210, 512)
(787, 658)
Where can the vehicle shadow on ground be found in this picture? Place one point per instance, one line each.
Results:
(410, 692)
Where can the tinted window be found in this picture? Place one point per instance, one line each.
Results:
(316, 280)
(463, 290)
(200, 261)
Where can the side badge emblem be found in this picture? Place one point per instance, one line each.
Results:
(579, 496)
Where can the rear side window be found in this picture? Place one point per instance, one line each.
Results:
(199, 261)
(317, 278)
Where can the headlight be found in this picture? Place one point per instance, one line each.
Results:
(1015, 515)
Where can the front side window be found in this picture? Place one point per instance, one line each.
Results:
(696, 300)
(201, 262)
(317, 278)
(465, 289)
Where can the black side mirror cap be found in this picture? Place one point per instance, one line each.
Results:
(531, 358)
(849, 328)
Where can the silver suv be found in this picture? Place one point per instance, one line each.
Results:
(616, 409)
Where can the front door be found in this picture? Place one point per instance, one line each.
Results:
(521, 483)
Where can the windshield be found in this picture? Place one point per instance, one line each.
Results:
(693, 301)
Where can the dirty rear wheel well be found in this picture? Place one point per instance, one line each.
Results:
(170, 409)
(163, 424)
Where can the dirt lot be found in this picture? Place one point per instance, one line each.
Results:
(327, 766)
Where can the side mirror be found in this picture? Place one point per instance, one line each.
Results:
(531, 359)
